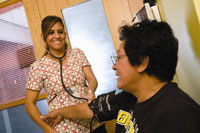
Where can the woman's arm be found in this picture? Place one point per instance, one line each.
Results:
(92, 82)
(104, 108)
(78, 111)
(32, 110)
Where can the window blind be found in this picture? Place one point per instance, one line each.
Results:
(16, 55)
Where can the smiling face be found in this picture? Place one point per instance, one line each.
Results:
(56, 38)
(128, 74)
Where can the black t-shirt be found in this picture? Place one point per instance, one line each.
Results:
(168, 111)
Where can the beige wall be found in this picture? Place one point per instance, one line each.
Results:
(183, 17)
(197, 8)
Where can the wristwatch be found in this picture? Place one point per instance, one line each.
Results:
(90, 91)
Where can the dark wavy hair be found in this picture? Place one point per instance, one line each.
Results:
(155, 40)
(47, 23)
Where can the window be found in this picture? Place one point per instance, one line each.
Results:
(16, 52)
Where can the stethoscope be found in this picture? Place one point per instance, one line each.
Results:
(67, 90)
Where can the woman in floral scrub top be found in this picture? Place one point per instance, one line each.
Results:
(45, 73)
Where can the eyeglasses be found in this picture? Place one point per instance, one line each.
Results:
(116, 58)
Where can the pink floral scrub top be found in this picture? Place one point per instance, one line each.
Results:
(45, 73)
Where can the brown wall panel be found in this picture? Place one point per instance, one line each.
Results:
(8, 3)
(34, 21)
(53, 8)
(117, 12)
(135, 6)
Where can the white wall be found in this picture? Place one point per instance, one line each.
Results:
(182, 17)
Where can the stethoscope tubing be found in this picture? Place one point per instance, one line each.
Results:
(67, 90)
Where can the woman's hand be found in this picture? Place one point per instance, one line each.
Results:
(52, 118)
